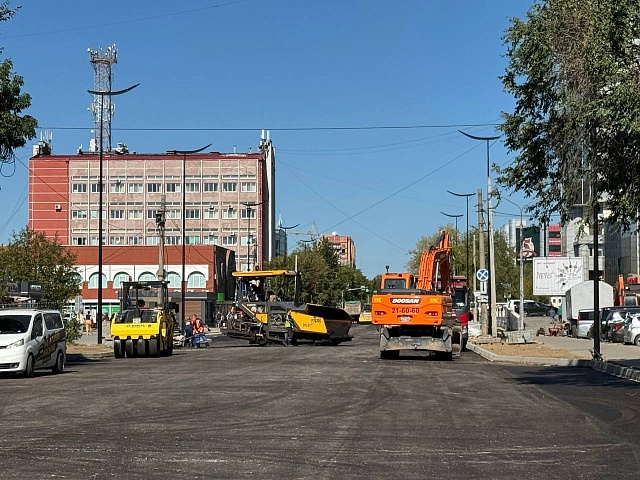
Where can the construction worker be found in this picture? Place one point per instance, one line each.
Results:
(288, 330)
(188, 333)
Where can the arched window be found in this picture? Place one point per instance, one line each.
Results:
(119, 278)
(196, 280)
(144, 276)
(174, 280)
(93, 281)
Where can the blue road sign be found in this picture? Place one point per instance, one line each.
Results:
(482, 274)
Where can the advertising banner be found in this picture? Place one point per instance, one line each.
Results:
(556, 275)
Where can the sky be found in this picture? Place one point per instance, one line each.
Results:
(364, 100)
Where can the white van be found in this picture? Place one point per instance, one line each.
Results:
(31, 339)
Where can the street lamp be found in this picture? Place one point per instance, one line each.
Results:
(183, 283)
(456, 217)
(521, 311)
(249, 206)
(108, 93)
(467, 234)
(492, 277)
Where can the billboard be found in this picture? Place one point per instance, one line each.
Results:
(556, 275)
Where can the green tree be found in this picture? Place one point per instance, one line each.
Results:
(15, 129)
(323, 278)
(573, 68)
(31, 257)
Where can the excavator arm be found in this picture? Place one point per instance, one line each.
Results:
(435, 266)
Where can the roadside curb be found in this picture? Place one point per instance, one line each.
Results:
(541, 361)
(609, 368)
(87, 357)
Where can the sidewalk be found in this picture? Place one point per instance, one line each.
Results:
(618, 359)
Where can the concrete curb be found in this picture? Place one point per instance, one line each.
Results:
(614, 369)
(87, 357)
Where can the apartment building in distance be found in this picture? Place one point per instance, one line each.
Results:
(344, 247)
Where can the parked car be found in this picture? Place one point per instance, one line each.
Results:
(533, 308)
(632, 330)
(31, 339)
(585, 322)
(612, 320)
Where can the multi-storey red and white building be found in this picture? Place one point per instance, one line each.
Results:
(344, 247)
(225, 199)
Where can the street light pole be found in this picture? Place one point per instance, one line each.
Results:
(521, 312)
(183, 281)
(456, 217)
(100, 189)
(492, 270)
(467, 195)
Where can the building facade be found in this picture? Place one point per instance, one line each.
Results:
(344, 247)
(225, 199)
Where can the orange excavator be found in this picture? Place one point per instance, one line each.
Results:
(417, 312)
(627, 293)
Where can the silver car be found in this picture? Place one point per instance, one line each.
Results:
(632, 330)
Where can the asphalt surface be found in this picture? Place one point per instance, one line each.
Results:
(239, 411)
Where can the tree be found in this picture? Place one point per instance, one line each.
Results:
(31, 257)
(323, 278)
(15, 130)
(574, 70)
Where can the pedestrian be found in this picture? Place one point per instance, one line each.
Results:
(198, 327)
(87, 323)
(551, 313)
(288, 330)
(188, 333)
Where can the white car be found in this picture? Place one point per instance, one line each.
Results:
(632, 330)
(31, 339)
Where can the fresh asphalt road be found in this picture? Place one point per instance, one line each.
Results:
(322, 412)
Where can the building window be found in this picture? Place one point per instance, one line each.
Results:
(135, 241)
(79, 241)
(152, 214)
(211, 213)
(135, 214)
(211, 240)
(95, 188)
(93, 281)
(154, 187)
(174, 214)
(248, 213)
(248, 187)
(117, 187)
(79, 188)
(173, 188)
(229, 240)
(135, 188)
(229, 186)
(229, 214)
(191, 187)
(116, 214)
(192, 214)
(193, 240)
(96, 214)
(173, 279)
(116, 240)
(146, 276)
(210, 187)
(119, 278)
(171, 240)
(94, 240)
(247, 240)
(196, 280)
(153, 240)
(79, 214)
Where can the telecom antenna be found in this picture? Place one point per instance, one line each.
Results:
(102, 61)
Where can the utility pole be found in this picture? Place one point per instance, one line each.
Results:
(160, 222)
(481, 264)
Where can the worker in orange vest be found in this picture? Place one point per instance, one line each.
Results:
(197, 325)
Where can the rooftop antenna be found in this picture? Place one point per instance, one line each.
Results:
(102, 60)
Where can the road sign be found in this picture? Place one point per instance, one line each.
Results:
(79, 304)
(483, 287)
(482, 274)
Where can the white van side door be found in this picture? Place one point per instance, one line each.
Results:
(37, 340)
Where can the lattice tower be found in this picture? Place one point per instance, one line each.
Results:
(102, 61)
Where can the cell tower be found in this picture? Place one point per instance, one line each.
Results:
(102, 60)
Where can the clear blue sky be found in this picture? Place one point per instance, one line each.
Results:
(304, 70)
